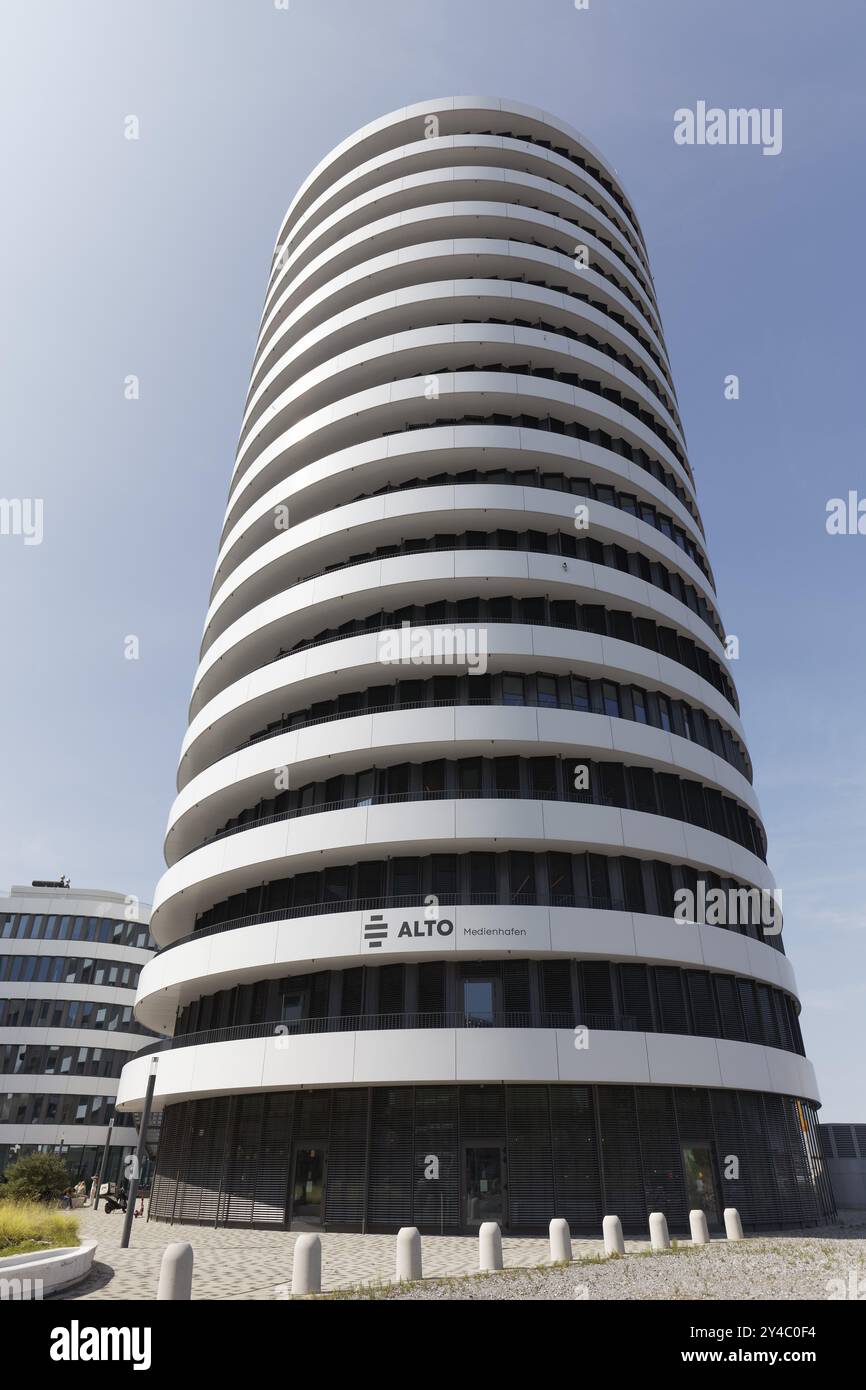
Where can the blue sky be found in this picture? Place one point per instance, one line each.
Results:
(150, 257)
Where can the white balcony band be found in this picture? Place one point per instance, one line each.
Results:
(438, 1056)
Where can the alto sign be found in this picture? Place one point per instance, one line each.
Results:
(376, 930)
(420, 930)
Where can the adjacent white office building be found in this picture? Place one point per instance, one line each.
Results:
(70, 959)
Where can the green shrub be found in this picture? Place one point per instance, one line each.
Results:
(28, 1226)
(36, 1178)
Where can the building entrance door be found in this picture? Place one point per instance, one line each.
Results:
(485, 1196)
(700, 1173)
(308, 1187)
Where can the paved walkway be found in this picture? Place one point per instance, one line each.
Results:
(254, 1264)
(251, 1264)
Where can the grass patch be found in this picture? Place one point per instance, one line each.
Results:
(29, 1226)
(383, 1288)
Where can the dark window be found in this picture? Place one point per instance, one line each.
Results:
(559, 877)
(636, 1006)
(643, 784)
(482, 873)
(371, 879)
(543, 774)
(672, 1005)
(599, 881)
(445, 880)
(612, 784)
(407, 877)
(512, 690)
(469, 775)
(579, 693)
(433, 777)
(632, 882)
(507, 771)
(521, 876)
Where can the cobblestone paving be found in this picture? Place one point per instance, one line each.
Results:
(250, 1264)
(253, 1264)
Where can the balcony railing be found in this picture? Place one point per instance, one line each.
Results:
(376, 1023)
(390, 798)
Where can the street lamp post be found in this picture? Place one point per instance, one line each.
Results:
(139, 1156)
(104, 1165)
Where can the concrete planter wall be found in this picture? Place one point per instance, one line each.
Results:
(56, 1269)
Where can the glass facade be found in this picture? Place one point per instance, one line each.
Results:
(442, 1158)
(507, 994)
(61, 1057)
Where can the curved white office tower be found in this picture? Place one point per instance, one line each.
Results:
(462, 729)
(70, 959)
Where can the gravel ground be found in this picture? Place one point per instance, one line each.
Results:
(773, 1267)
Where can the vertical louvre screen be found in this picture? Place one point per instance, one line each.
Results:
(556, 993)
(623, 1182)
(750, 1010)
(198, 1201)
(436, 1200)
(756, 1161)
(390, 1190)
(272, 1175)
(569, 1150)
(781, 1159)
(171, 1161)
(575, 1157)
(530, 1175)
(242, 1157)
(735, 1190)
(636, 997)
(515, 987)
(661, 1155)
(672, 1007)
(703, 1004)
(728, 1001)
(352, 1001)
(347, 1163)
(391, 989)
(482, 1113)
(597, 987)
(431, 987)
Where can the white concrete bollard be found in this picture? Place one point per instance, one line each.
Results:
(560, 1241)
(175, 1272)
(307, 1265)
(612, 1230)
(408, 1253)
(733, 1224)
(659, 1238)
(699, 1228)
(489, 1246)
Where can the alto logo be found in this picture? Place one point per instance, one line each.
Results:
(375, 931)
(422, 929)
